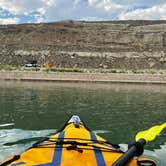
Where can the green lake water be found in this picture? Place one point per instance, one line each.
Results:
(30, 111)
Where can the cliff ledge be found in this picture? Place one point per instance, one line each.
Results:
(114, 44)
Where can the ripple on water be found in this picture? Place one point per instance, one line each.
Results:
(160, 155)
(16, 141)
(101, 131)
(6, 124)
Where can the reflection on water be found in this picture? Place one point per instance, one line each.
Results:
(115, 111)
(7, 124)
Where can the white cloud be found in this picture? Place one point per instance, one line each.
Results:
(139, 2)
(25, 6)
(66, 10)
(106, 5)
(50, 2)
(76, 2)
(54, 10)
(91, 19)
(41, 10)
(12, 6)
(154, 13)
(37, 9)
(9, 20)
(39, 18)
(93, 2)
(127, 9)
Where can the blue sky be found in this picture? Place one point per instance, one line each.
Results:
(36, 11)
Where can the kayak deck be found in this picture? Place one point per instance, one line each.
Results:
(73, 145)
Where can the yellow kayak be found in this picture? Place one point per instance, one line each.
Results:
(73, 145)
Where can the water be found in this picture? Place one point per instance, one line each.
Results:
(30, 111)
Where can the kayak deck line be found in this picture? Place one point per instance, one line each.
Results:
(73, 145)
(91, 143)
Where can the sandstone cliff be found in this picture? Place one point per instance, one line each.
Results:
(118, 44)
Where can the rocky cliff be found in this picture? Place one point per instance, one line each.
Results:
(115, 44)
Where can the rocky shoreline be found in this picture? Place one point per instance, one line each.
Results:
(83, 77)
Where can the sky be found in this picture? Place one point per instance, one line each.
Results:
(37, 11)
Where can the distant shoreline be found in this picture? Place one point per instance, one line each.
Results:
(144, 78)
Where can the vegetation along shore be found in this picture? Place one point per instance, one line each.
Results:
(84, 75)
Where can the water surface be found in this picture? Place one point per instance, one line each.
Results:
(30, 111)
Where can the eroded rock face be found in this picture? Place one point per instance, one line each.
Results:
(123, 44)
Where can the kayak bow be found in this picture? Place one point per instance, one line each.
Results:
(73, 145)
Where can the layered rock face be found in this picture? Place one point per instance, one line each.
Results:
(121, 44)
